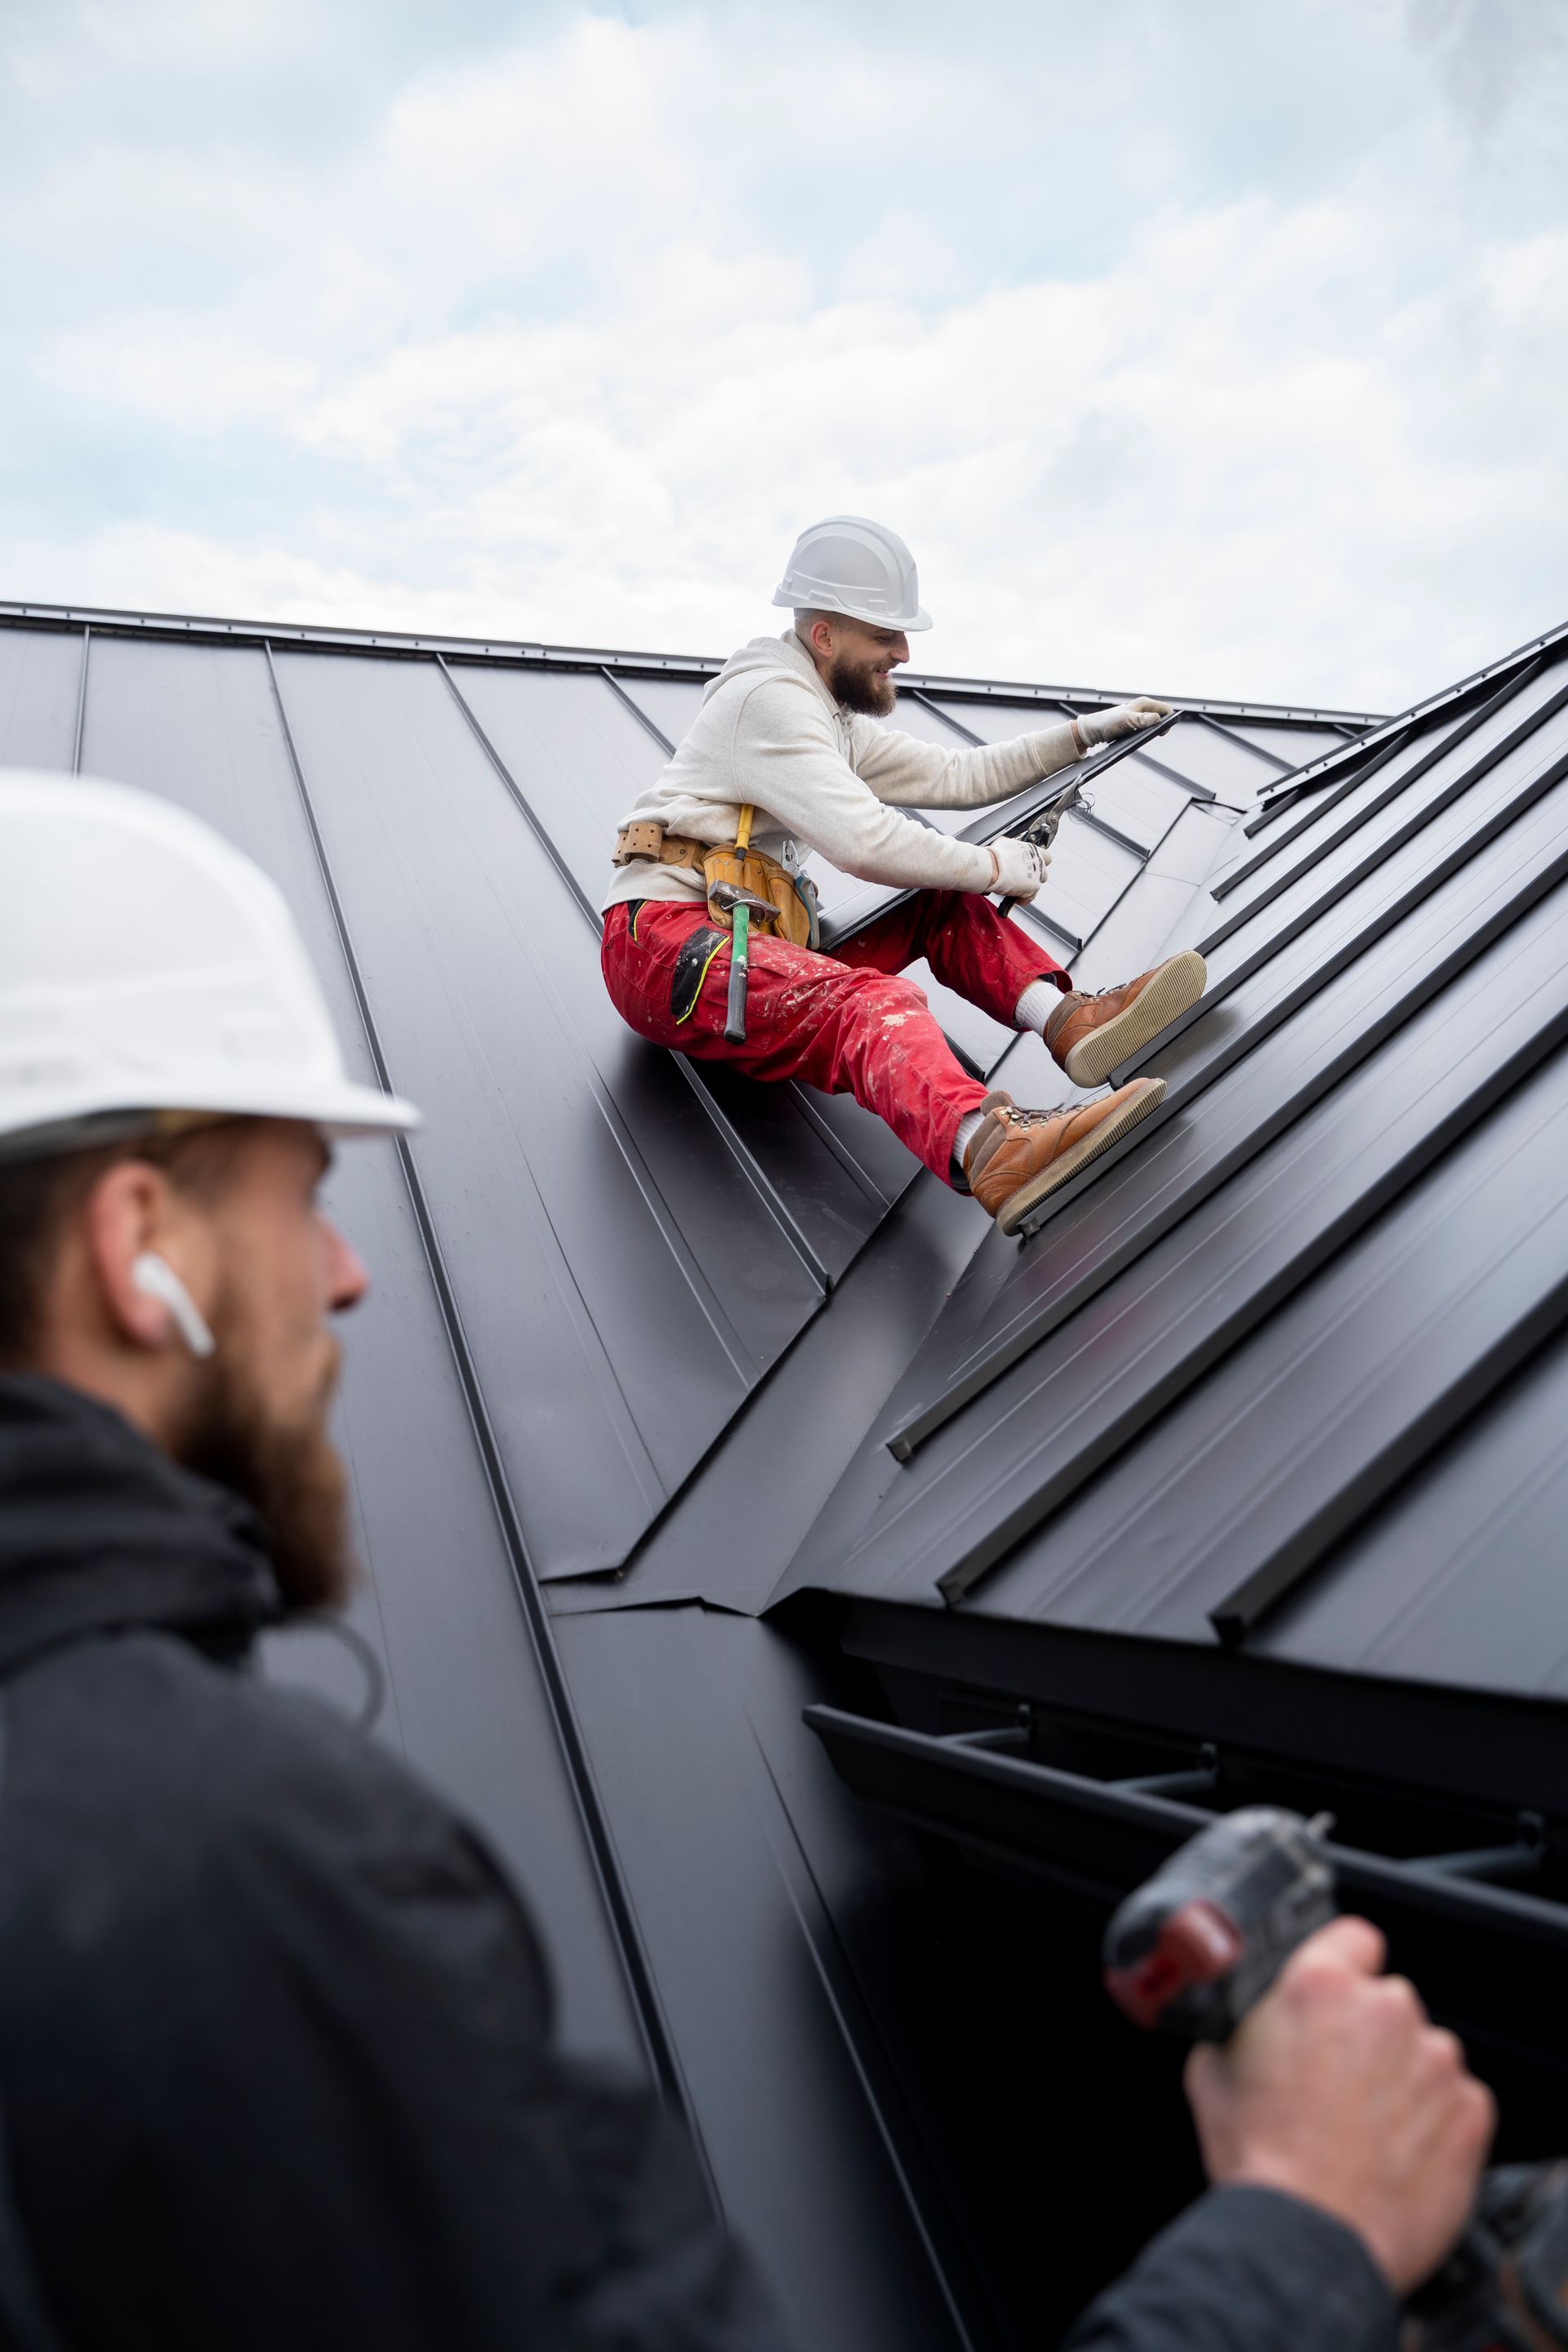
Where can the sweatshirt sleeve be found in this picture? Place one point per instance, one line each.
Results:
(909, 773)
(1247, 2270)
(788, 760)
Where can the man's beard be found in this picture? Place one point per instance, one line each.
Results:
(290, 1474)
(858, 686)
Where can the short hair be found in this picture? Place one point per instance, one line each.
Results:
(813, 613)
(38, 1197)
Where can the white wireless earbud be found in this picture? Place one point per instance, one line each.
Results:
(156, 1279)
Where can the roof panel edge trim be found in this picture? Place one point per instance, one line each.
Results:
(114, 620)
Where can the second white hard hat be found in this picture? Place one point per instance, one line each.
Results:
(862, 569)
(147, 968)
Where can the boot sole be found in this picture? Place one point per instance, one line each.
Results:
(1169, 994)
(1017, 1206)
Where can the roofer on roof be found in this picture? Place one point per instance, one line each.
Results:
(789, 731)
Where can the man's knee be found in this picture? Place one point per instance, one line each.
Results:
(891, 999)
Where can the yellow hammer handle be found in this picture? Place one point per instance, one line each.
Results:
(744, 830)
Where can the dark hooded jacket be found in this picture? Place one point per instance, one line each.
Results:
(275, 2056)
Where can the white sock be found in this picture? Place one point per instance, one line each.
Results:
(968, 1129)
(1036, 1005)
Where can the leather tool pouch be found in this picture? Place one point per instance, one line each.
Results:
(792, 897)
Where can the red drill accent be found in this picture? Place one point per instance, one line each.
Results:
(1194, 1946)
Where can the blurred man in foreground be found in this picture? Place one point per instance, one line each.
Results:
(276, 2063)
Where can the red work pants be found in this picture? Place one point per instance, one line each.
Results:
(844, 1022)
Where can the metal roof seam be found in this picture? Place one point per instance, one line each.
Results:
(662, 2057)
(1449, 951)
(1310, 805)
(1282, 1574)
(1173, 776)
(1030, 1329)
(964, 734)
(1059, 932)
(1280, 801)
(80, 703)
(1531, 791)
(740, 1354)
(862, 2040)
(1203, 1343)
(638, 713)
(768, 1195)
(1269, 758)
(1097, 824)
(1480, 1301)
(1145, 859)
(1392, 792)
(539, 831)
(853, 1168)
(1431, 703)
(1515, 684)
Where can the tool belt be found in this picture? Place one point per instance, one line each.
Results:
(792, 896)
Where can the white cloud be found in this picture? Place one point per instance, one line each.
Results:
(566, 341)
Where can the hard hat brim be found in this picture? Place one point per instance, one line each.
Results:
(341, 1110)
(919, 619)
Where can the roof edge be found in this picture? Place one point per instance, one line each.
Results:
(1385, 729)
(112, 621)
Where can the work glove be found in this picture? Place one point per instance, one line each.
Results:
(1126, 718)
(1020, 866)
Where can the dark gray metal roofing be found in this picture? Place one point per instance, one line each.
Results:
(630, 1323)
(1262, 1435)
(607, 1212)
(1284, 1375)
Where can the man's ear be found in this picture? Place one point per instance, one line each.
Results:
(130, 1211)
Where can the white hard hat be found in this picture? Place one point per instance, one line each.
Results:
(855, 567)
(148, 968)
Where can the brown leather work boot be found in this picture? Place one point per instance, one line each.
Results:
(1092, 1035)
(1017, 1156)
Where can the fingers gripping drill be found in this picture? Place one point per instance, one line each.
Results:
(1202, 1940)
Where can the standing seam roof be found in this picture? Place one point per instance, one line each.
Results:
(1338, 1250)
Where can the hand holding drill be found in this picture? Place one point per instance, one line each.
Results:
(1316, 2076)
(1338, 2090)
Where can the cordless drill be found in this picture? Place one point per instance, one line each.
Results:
(1201, 1941)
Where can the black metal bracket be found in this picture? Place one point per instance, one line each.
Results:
(1104, 1837)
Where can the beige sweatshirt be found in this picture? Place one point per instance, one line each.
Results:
(825, 779)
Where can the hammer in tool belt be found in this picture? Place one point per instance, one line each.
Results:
(1043, 831)
(739, 905)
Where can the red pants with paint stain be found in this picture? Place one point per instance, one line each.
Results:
(845, 1022)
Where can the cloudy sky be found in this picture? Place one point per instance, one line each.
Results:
(1212, 344)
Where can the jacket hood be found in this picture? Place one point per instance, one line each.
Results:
(99, 1530)
(782, 656)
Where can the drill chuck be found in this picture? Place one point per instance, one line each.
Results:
(1193, 1949)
